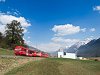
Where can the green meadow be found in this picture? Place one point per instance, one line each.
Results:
(55, 66)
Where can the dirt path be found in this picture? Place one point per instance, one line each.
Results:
(7, 63)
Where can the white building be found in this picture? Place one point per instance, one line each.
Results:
(62, 54)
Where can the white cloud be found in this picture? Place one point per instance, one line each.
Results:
(92, 29)
(64, 42)
(67, 29)
(6, 18)
(83, 30)
(14, 13)
(2, 28)
(28, 42)
(2, 0)
(56, 44)
(59, 42)
(96, 8)
(48, 47)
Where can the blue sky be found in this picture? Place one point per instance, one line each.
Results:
(54, 23)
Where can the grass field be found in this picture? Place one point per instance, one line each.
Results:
(6, 52)
(49, 66)
(53, 66)
(7, 64)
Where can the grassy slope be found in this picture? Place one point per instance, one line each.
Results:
(7, 64)
(58, 67)
(6, 52)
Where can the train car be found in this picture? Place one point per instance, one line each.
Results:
(22, 51)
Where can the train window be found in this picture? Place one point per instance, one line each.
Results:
(30, 52)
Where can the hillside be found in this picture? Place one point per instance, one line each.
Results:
(6, 52)
(75, 47)
(54, 66)
(91, 49)
(10, 62)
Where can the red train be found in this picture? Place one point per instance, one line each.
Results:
(22, 51)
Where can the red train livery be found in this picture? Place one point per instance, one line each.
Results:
(22, 51)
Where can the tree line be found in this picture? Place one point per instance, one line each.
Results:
(13, 35)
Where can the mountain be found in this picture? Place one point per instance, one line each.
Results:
(91, 49)
(35, 49)
(75, 47)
